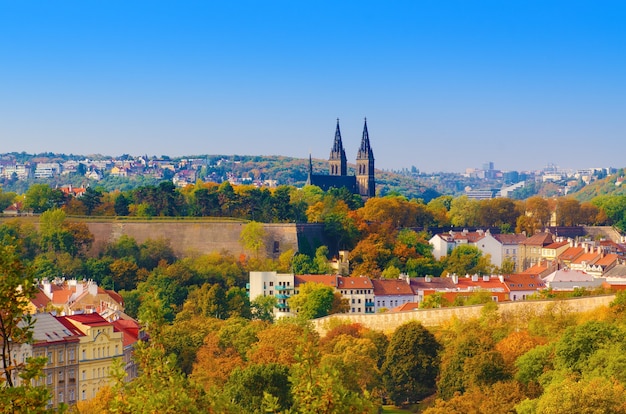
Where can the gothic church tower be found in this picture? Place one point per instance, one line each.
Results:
(337, 162)
(365, 166)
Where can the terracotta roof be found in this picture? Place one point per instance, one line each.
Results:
(589, 258)
(387, 287)
(536, 269)
(328, 280)
(354, 282)
(465, 283)
(40, 300)
(607, 260)
(409, 306)
(90, 319)
(555, 245)
(436, 283)
(129, 329)
(509, 238)
(522, 281)
(572, 253)
(539, 239)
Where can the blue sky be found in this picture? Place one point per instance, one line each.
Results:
(445, 85)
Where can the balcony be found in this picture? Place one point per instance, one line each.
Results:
(281, 296)
(281, 305)
(283, 288)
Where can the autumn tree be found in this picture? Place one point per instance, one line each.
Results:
(411, 365)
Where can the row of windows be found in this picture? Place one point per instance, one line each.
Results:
(61, 356)
(357, 292)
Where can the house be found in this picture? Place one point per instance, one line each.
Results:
(60, 345)
(521, 285)
(424, 286)
(14, 209)
(444, 243)
(554, 250)
(75, 296)
(279, 285)
(530, 250)
(569, 279)
(99, 344)
(390, 293)
(570, 254)
(509, 245)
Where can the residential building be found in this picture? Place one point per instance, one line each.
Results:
(359, 291)
(279, 285)
(529, 251)
(521, 285)
(391, 293)
(99, 344)
(569, 279)
(51, 339)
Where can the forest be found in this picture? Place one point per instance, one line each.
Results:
(213, 350)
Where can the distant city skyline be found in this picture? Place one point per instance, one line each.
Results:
(445, 85)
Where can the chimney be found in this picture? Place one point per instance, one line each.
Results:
(480, 231)
(427, 279)
(474, 278)
(486, 278)
(455, 278)
(501, 277)
(47, 288)
(92, 288)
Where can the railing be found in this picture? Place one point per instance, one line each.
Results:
(283, 288)
(281, 305)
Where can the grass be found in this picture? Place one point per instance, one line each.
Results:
(390, 409)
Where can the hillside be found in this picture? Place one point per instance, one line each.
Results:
(611, 185)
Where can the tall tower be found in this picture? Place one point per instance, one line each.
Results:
(365, 166)
(337, 162)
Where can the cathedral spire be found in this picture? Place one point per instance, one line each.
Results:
(365, 166)
(338, 161)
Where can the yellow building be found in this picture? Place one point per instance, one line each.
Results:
(100, 343)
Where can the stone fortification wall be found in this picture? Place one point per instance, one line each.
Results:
(388, 322)
(194, 237)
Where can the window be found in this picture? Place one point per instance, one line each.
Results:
(84, 357)
(49, 378)
(60, 359)
(71, 395)
(49, 357)
(70, 375)
(84, 375)
(83, 395)
(61, 397)
(276, 247)
(70, 354)
(61, 376)
(271, 283)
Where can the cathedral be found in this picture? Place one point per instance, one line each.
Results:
(363, 183)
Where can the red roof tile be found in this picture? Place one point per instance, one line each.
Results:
(354, 282)
(387, 287)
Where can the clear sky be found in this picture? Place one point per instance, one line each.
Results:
(444, 85)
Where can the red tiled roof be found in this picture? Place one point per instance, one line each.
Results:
(522, 281)
(409, 306)
(129, 329)
(509, 238)
(354, 282)
(328, 280)
(91, 319)
(536, 269)
(607, 260)
(386, 287)
(492, 283)
(572, 253)
(539, 239)
(589, 258)
(555, 245)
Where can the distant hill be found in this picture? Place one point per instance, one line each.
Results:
(293, 171)
(612, 185)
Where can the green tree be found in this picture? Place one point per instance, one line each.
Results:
(252, 237)
(314, 300)
(411, 364)
(16, 290)
(467, 259)
(262, 308)
(248, 386)
(40, 197)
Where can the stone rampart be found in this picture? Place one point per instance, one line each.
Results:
(187, 238)
(388, 322)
